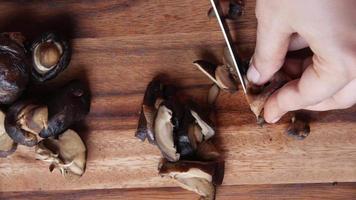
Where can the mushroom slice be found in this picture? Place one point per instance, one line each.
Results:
(206, 130)
(224, 79)
(68, 105)
(218, 74)
(299, 126)
(13, 68)
(7, 145)
(199, 177)
(213, 94)
(163, 129)
(67, 154)
(258, 95)
(50, 56)
(148, 111)
(24, 120)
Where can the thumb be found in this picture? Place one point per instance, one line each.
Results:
(271, 48)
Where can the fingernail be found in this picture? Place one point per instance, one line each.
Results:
(252, 74)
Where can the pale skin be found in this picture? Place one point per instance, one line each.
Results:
(327, 80)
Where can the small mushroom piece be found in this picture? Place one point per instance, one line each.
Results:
(299, 126)
(236, 9)
(163, 129)
(50, 56)
(258, 95)
(199, 177)
(67, 154)
(68, 105)
(13, 67)
(7, 145)
(24, 120)
(220, 75)
(213, 94)
(206, 130)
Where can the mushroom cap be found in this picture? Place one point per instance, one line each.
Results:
(66, 106)
(50, 55)
(67, 153)
(13, 70)
(7, 145)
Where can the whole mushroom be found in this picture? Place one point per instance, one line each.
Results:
(28, 120)
(50, 55)
(13, 67)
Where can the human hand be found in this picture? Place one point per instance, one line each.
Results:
(327, 80)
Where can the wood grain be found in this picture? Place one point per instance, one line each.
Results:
(330, 191)
(118, 47)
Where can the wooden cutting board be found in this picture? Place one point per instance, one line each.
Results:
(118, 47)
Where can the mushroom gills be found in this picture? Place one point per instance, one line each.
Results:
(67, 154)
(7, 145)
(46, 56)
(50, 54)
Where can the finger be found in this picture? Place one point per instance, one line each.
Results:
(271, 48)
(297, 42)
(343, 99)
(318, 82)
(295, 67)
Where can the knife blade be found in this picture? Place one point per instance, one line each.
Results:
(224, 28)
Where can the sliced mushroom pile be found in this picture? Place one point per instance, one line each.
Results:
(184, 137)
(43, 121)
(225, 78)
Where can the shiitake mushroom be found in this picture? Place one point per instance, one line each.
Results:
(69, 105)
(13, 67)
(50, 55)
(27, 119)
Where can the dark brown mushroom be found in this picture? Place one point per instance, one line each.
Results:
(50, 55)
(13, 67)
(67, 154)
(7, 145)
(299, 125)
(68, 105)
(24, 120)
(199, 177)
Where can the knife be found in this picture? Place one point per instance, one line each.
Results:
(224, 28)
